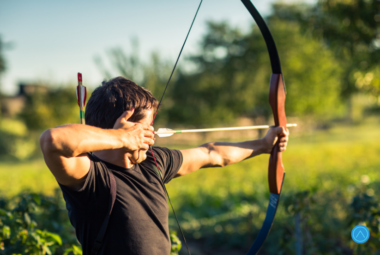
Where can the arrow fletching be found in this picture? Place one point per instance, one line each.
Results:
(165, 132)
(81, 97)
(81, 92)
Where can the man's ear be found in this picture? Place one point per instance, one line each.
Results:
(128, 114)
(124, 117)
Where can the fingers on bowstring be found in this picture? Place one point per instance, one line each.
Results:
(149, 134)
(148, 142)
(148, 128)
(145, 145)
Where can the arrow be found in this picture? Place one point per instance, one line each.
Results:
(81, 97)
(166, 132)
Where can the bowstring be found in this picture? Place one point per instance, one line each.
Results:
(176, 62)
(154, 117)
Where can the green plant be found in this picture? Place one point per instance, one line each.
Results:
(19, 232)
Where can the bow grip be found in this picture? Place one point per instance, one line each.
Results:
(277, 97)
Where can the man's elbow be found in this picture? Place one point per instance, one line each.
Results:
(50, 143)
(215, 156)
(46, 141)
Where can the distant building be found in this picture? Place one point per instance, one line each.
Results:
(12, 105)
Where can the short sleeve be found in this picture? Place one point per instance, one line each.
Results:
(95, 190)
(169, 161)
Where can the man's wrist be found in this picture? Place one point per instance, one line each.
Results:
(122, 139)
(264, 147)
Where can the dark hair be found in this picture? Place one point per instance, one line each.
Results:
(108, 102)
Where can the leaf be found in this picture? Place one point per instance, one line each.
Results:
(74, 249)
(55, 237)
(27, 218)
(3, 212)
(77, 250)
(37, 199)
(46, 249)
(6, 232)
(176, 244)
(33, 224)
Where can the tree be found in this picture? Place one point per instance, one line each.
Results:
(3, 63)
(47, 108)
(232, 78)
(351, 30)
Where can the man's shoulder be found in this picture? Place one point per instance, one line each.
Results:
(165, 152)
(163, 149)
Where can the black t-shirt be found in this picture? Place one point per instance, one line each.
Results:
(139, 220)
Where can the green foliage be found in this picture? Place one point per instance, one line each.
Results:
(3, 62)
(312, 75)
(15, 177)
(38, 225)
(365, 210)
(16, 142)
(234, 72)
(176, 244)
(327, 50)
(225, 207)
(368, 81)
(51, 108)
(19, 137)
(19, 231)
(351, 30)
(230, 75)
(3, 65)
(152, 75)
(75, 250)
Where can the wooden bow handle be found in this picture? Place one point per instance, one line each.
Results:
(277, 96)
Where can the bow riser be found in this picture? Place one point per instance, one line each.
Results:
(277, 97)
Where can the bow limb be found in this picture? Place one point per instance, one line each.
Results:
(277, 92)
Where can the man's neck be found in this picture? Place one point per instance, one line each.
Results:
(115, 157)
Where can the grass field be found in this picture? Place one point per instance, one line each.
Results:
(225, 207)
(336, 157)
(325, 159)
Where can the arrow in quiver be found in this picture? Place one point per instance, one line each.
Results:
(81, 97)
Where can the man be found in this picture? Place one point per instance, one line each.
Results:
(118, 132)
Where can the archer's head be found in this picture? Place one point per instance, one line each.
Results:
(109, 101)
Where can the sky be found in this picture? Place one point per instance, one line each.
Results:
(54, 40)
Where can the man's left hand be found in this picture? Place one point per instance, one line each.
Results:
(273, 135)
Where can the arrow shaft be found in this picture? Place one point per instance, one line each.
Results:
(218, 129)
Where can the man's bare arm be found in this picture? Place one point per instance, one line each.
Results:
(220, 154)
(64, 147)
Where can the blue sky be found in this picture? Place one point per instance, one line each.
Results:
(53, 40)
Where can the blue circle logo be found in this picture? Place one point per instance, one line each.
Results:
(360, 234)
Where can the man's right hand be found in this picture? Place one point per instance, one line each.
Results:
(65, 147)
(135, 136)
